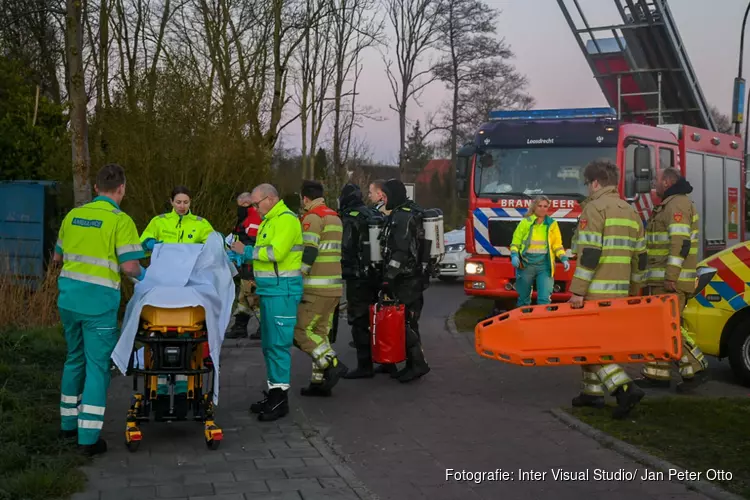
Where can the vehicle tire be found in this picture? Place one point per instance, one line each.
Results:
(448, 279)
(739, 352)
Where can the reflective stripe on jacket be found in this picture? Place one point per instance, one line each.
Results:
(174, 228)
(94, 240)
(277, 257)
(523, 242)
(672, 243)
(321, 260)
(611, 248)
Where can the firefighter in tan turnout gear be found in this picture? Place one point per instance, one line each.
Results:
(672, 245)
(611, 253)
(321, 269)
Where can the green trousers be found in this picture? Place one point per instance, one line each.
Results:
(86, 375)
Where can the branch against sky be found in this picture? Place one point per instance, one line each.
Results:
(415, 23)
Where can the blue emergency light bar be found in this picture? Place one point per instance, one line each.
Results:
(554, 114)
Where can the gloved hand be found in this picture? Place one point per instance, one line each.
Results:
(149, 244)
(515, 260)
(565, 263)
(235, 258)
(142, 275)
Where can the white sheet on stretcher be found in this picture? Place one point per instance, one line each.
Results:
(184, 275)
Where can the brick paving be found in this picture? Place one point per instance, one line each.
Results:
(282, 460)
(374, 438)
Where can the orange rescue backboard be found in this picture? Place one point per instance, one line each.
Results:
(628, 330)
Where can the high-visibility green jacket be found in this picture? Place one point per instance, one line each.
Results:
(174, 228)
(277, 257)
(93, 241)
(523, 241)
(611, 248)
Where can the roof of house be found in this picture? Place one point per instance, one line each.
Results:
(440, 168)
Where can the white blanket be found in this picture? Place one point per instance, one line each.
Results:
(184, 275)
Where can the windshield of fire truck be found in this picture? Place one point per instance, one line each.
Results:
(545, 170)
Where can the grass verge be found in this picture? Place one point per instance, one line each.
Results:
(473, 310)
(34, 463)
(694, 433)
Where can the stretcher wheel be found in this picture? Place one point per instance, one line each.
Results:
(213, 444)
(133, 446)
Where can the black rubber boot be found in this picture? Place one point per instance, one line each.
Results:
(239, 329)
(388, 369)
(689, 384)
(315, 390)
(650, 383)
(94, 449)
(257, 334)
(276, 407)
(258, 406)
(364, 367)
(587, 400)
(331, 375)
(416, 367)
(627, 396)
(69, 434)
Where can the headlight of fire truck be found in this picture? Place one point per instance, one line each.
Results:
(474, 268)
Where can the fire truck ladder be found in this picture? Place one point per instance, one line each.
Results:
(643, 70)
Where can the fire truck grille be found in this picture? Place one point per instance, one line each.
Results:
(501, 232)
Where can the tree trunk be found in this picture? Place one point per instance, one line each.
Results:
(454, 215)
(402, 139)
(77, 94)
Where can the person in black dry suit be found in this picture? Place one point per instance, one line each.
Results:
(404, 276)
(361, 288)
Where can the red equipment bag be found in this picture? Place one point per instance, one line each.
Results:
(388, 333)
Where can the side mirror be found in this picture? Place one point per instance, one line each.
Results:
(642, 161)
(460, 186)
(462, 167)
(642, 186)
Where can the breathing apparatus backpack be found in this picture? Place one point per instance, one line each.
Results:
(431, 241)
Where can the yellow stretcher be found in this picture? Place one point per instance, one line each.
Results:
(627, 330)
(176, 350)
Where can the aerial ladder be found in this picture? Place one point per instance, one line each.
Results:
(641, 63)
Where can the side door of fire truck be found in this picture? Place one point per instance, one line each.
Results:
(717, 187)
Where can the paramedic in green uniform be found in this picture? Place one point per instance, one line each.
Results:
(536, 243)
(96, 240)
(178, 226)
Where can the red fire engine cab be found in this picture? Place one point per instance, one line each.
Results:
(520, 154)
(657, 117)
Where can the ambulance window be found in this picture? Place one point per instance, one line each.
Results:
(630, 192)
(666, 158)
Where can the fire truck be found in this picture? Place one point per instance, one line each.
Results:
(657, 118)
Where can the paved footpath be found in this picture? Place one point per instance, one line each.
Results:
(398, 440)
(280, 460)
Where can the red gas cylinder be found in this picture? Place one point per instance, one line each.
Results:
(388, 333)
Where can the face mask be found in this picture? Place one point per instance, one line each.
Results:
(241, 213)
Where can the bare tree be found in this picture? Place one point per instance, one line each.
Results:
(416, 24)
(316, 71)
(471, 53)
(723, 121)
(507, 90)
(78, 102)
(355, 28)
